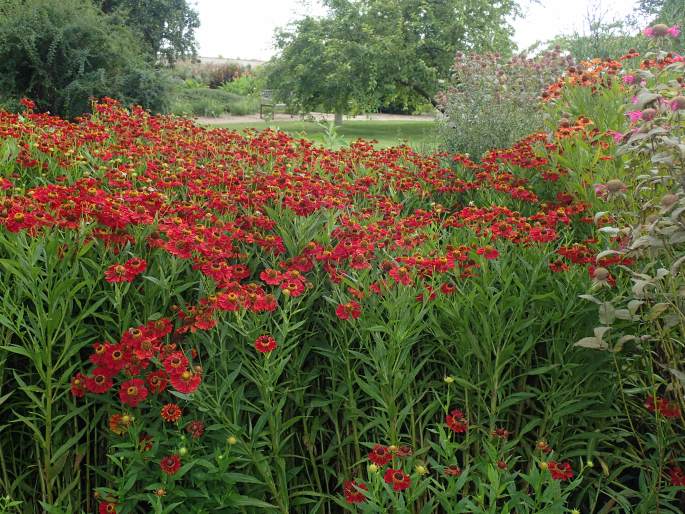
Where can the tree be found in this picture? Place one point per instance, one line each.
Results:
(365, 50)
(61, 54)
(602, 36)
(324, 63)
(166, 27)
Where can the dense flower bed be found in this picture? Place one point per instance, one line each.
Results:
(254, 323)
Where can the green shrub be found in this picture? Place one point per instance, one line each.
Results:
(247, 85)
(492, 101)
(61, 54)
(211, 103)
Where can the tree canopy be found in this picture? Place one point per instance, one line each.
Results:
(166, 27)
(367, 50)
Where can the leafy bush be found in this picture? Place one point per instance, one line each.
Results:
(211, 75)
(211, 102)
(642, 322)
(493, 101)
(62, 54)
(250, 84)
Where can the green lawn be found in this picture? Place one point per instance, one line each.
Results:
(418, 134)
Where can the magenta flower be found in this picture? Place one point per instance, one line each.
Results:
(629, 79)
(601, 190)
(662, 30)
(616, 135)
(634, 115)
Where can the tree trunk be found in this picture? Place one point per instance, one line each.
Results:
(338, 118)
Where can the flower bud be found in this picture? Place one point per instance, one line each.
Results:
(660, 30)
(373, 468)
(669, 199)
(231, 440)
(615, 185)
(648, 114)
(183, 451)
(601, 274)
(678, 103)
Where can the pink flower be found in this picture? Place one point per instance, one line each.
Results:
(634, 100)
(674, 31)
(616, 135)
(629, 79)
(634, 115)
(601, 190)
(649, 32)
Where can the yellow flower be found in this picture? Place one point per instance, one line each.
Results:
(448, 379)
(421, 470)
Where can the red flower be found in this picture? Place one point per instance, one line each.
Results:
(352, 494)
(157, 381)
(560, 470)
(664, 407)
(488, 252)
(30, 105)
(145, 442)
(271, 276)
(265, 344)
(402, 451)
(398, 478)
(457, 422)
(125, 272)
(452, 471)
(132, 392)
(78, 385)
(380, 455)
(501, 433)
(171, 412)
(119, 423)
(170, 464)
(176, 363)
(107, 508)
(401, 275)
(348, 310)
(677, 476)
(196, 429)
(99, 382)
(186, 382)
(114, 358)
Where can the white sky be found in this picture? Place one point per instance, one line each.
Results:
(244, 28)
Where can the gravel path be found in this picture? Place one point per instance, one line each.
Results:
(316, 116)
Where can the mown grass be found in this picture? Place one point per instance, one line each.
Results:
(420, 135)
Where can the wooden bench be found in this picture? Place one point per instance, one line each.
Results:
(267, 106)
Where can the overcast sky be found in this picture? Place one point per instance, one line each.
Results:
(244, 28)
